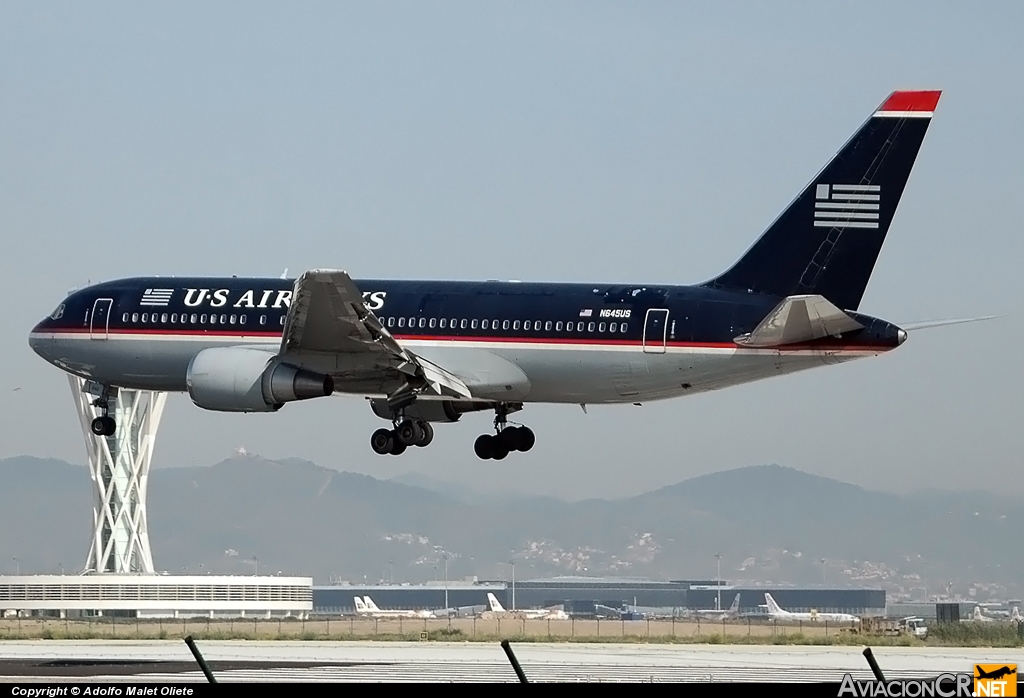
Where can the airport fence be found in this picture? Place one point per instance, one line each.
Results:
(352, 627)
(338, 628)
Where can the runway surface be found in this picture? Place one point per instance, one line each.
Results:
(171, 661)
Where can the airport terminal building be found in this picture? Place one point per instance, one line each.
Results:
(586, 596)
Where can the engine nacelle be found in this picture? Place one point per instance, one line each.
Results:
(233, 379)
(432, 410)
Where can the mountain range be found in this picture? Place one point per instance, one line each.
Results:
(769, 523)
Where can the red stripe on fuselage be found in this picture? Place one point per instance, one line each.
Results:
(567, 341)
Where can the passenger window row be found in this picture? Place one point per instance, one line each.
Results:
(193, 319)
(503, 325)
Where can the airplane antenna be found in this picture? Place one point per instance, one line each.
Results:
(285, 274)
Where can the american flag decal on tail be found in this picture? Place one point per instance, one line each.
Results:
(847, 206)
(157, 296)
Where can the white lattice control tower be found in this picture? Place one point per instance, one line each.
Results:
(119, 465)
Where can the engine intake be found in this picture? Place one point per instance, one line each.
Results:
(232, 379)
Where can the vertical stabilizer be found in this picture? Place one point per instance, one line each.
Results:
(826, 242)
(493, 602)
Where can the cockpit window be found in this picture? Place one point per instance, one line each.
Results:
(58, 313)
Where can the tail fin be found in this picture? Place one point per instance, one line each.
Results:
(772, 606)
(1016, 614)
(370, 604)
(735, 607)
(495, 606)
(360, 605)
(827, 241)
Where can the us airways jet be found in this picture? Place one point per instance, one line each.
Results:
(424, 352)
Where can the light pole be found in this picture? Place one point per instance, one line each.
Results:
(61, 565)
(17, 567)
(718, 559)
(255, 566)
(822, 571)
(513, 563)
(446, 583)
(391, 571)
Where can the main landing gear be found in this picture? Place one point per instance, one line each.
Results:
(506, 440)
(105, 424)
(407, 432)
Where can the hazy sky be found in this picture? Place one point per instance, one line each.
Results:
(615, 142)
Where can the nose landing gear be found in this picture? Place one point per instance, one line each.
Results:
(104, 425)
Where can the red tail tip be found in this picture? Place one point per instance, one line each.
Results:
(912, 100)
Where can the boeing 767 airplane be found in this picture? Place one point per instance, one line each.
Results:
(424, 352)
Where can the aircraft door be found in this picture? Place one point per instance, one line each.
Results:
(99, 321)
(655, 330)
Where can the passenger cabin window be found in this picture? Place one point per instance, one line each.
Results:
(504, 325)
(282, 320)
(241, 320)
(453, 323)
(547, 326)
(613, 326)
(474, 324)
(600, 328)
(444, 323)
(174, 317)
(202, 318)
(622, 328)
(401, 322)
(125, 318)
(515, 325)
(193, 318)
(483, 325)
(526, 325)
(423, 322)
(223, 319)
(391, 322)
(234, 319)
(590, 327)
(462, 325)
(145, 317)
(263, 319)
(135, 317)
(163, 318)
(213, 319)
(433, 322)
(568, 326)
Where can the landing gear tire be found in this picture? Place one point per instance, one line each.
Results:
(103, 426)
(409, 433)
(525, 439)
(426, 434)
(484, 446)
(398, 448)
(500, 450)
(382, 441)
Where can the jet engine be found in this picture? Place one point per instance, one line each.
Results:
(234, 379)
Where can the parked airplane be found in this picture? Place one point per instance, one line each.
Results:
(978, 617)
(530, 614)
(718, 614)
(366, 607)
(424, 352)
(776, 613)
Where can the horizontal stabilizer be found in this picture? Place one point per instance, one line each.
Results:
(799, 319)
(911, 326)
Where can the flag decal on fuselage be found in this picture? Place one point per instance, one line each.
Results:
(157, 296)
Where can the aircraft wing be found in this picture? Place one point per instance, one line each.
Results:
(799, 319)
(329, 328)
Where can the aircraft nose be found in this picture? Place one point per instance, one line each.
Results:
(34, 339)
(901, 337)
